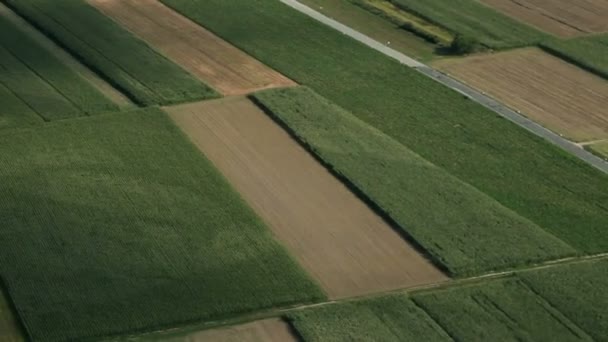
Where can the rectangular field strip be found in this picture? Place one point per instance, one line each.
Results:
(121, 225)
(128, 63)
(520, 170)
(334, 236)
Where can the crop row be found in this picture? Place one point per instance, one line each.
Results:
(128, 63)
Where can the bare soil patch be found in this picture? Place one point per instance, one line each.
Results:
(339, 240)
(104, 87)
(565, 18)
(9, 328)
(268, 330)
(219, 64)
(556, 94)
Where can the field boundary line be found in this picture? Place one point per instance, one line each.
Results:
(472, 94)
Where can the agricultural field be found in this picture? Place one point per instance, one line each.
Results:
(343, 244)
(554, 93)
(218, 64)
(559, 192)
(101, 44)
(472, 19)
(601, 148)
(35, 85)
(559, 17)
(587, 52)
(9, 327)
(461, 228)
(121, 225)
(268, 330)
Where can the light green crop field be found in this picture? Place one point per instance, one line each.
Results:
(33, 81)
(600, 148)
(475, 20)
(463, 229)
(537, 180)
(117, 224)
(578, 290)
(504, 310)
(393, 318)
(122, 59)
(587, 52)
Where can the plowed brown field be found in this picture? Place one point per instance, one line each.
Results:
(566, 18)
(340, 241)
(211, 59)
(556, 94)
(9, 329)
(269, 330)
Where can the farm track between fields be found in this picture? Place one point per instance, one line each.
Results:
(340, 241)
(561, 18)
(552, 92)
(206, 56)
(193, 330)
(459, 87)
(100, 84)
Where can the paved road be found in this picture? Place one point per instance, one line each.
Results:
(471, 93)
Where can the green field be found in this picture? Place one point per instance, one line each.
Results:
(520, 170)
(587, 52)
(460, 227)
(504, 310)
(472, 19)
(35, 85)
(579, 291)
(116, 223)
(393, 318)
(122, 59)
(600, 148)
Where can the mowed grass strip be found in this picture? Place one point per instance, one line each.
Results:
(578, 290)
(472, 19)
(121, 225)
(122, 59)
(392, 318)
(81, 94)
(600, 148)
(462, 228)
(587, 52)
(504, 310)
(520, 170)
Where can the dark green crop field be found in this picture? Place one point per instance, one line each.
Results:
(122, 59)
(463, 229)
(579, 291)
(393, 318)
(116, 224)
(555, 190)
(590, 53)
(33, 81)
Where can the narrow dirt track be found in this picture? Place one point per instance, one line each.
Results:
(340, 241)
(268, 330)
(565, 18)
(217, 63)
(558, 95)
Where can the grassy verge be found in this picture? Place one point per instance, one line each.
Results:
(588, 53)
(579, 291)
(63, 82)
(123, 60)
(393, 318)
(520, 170)
(462, 229)
(474, 20)
(601, 149)
(121, 225)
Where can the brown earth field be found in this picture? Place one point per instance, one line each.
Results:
(554, 93)
(9, 328)
(268, 330)
(565, 18)
(105, 88)
(340, 241)
(222, 66)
